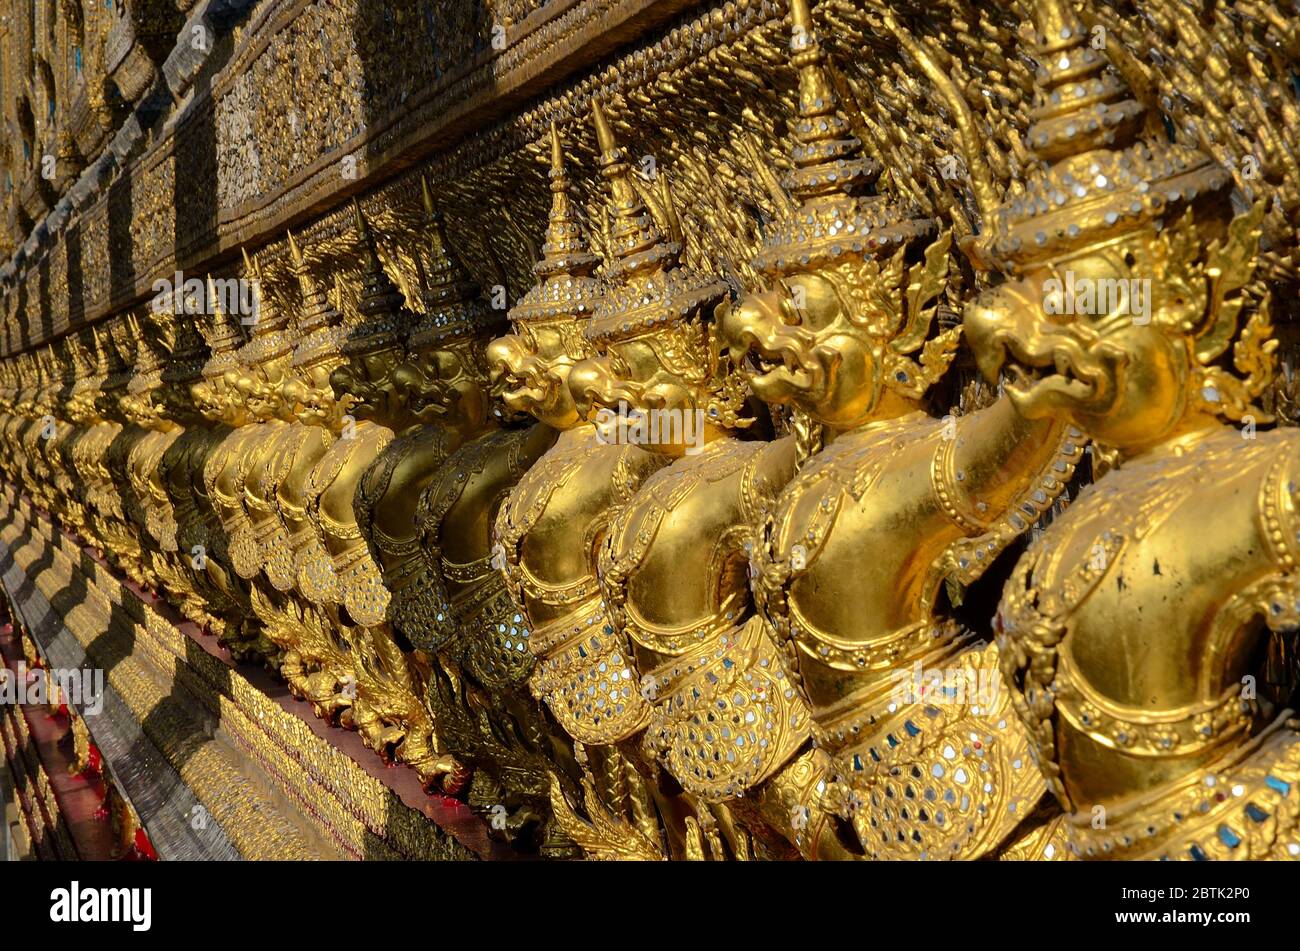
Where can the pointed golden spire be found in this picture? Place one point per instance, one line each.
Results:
(452, 300)
(647, 288)
(557, 150)
(295, 255)
(149, 349)
(223, 333)
(635, 239)
(187, 342)
(426, 195)
(363, 230)
(1079, 105)
(94, 349)
(1100, 177)
(86, 359)
(267, 319)
(316, 308)
(111, 337)
(828, 157)
(385, 319)
(78, 357)
(445, 268)
(62, 348)
(836, 214)
(150, 353)
(379, 295)
(567, 289)
(564, 249)
(319, 326)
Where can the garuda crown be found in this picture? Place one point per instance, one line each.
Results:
(566, 290)
(647, 288)
(321, 327)
(1099, 177)
(454, 307)
(385, 320)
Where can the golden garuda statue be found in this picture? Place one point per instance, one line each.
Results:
(1132, 634)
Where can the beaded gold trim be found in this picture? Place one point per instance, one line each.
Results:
(1246, 805)
(1183, 732)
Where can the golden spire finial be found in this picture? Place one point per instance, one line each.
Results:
(187, 350)
(295, 253)
(385, 319)
(94, 349)
(647, 288)
(452, 302)
(359, 219)
(426, 196)
(836, 214)
(446, 270)
(1079, 104)
(266, 319)
(214, 300)
(223, 335)
(557, 149)
(563, 251)
(77, 358)
(1099, 176)
(633, 232)
(113, 335)
(150, 350)
(316, 308)
(827, 156)
(379, 296)
(567, 289)
(370, 253)
(320, 321)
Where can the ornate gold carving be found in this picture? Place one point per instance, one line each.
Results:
(1156, 391)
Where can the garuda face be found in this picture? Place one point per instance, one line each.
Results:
(312, 396)
(262, 388)
(365, 387)
(214, 398)
(143, 407)
(659, 373)
(636, 375)
(445, 386)
(1106, 338)
(175, 402)
(530, 371)
(803, 349)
